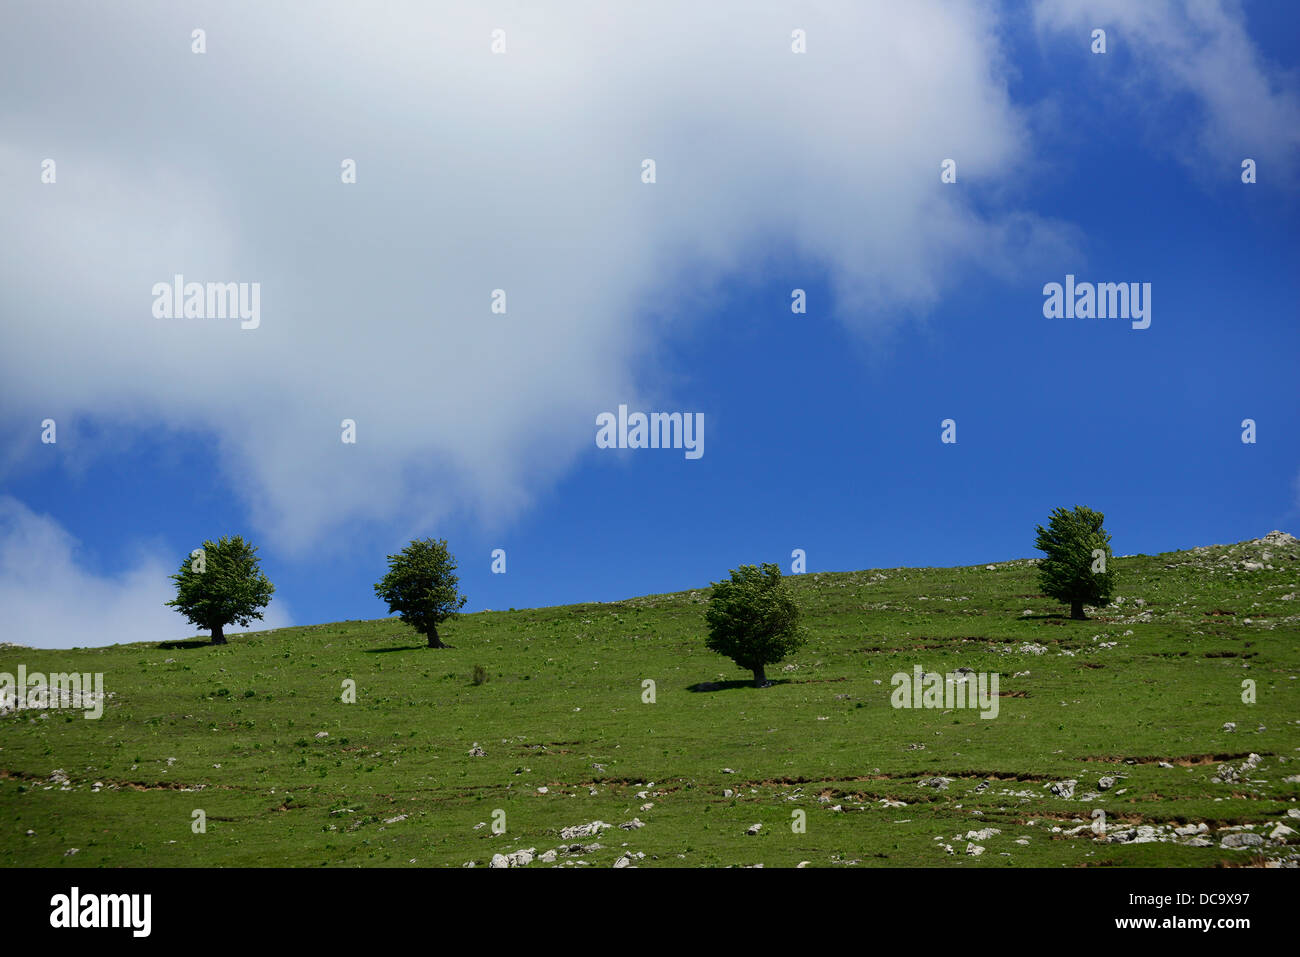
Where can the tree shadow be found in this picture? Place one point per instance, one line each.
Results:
(704, 686)
(184, 645)
(381, 651)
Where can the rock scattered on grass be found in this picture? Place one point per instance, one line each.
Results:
(583, 830)
(1064, 789)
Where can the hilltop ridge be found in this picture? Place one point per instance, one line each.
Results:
(1174, 711)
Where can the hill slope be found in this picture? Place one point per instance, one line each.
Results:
(255, 734)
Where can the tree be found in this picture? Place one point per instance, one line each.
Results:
(753, 619)
(1077, 569)
(221, 584)
(421, 586)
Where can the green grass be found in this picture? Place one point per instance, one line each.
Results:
(232, 731)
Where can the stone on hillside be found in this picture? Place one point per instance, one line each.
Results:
(521, 858)
(1064, 789)
(583, 830)
(1142, 834)
(1241, 840)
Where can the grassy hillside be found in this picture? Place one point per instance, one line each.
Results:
(255, 733)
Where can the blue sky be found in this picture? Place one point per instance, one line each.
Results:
(822, 431)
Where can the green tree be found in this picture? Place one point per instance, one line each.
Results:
(753, 619)
(221, 584)
(422, 587)
(1077, 569)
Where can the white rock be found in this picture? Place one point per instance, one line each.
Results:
(1064, 789)
(583, 830)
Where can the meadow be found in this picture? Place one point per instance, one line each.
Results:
(558, 730)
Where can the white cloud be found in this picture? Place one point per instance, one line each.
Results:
(476, 172)
(50, 600)
(1247, 106)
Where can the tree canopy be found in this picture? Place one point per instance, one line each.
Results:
(221, 584)
(753, 619)
(422, 587)
(1077, 569)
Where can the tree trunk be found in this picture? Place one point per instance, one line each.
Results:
(760, 677)
(218, 635)
(1076, 611)
(434, 640)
